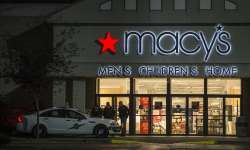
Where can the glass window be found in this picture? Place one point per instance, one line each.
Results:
(74, 115)
(53, 113)
(114, 86)
(155, 4)
(205, 4)
(130, 4)
(159, 106)
(215, 116)
(224, 86)
(151, 86)
(45, 114)
(142, 115)
(104, 101)
(195, 115)
(232, 112)
(187, 86)
(180, 4)
(107, 5)
(230, 5)
(159, 115)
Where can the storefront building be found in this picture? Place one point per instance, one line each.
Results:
(182, 67)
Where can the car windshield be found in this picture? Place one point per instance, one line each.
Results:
(86, 115)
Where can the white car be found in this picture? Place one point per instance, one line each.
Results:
(66, 121)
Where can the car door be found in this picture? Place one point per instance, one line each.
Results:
(76, 122)
(55, 121)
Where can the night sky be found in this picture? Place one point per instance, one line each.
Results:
(36, 1)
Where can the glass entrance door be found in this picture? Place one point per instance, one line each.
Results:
(158, 115)
(142, 115)
(187, 115)
(195, 115)
(215, 116)
(232, 111)
(114, 102)
(151, 115)
(125, 101)
(179, 115)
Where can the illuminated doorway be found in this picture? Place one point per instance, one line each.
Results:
(195, 115)
(142, 115)
(179, 115)
(151, 115)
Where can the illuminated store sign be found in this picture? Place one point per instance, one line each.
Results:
(167, 70)
(219, 42)
(170, 43)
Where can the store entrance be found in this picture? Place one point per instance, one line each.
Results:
(175, 106)
(114, 102)
(187, 115)
(150, 115)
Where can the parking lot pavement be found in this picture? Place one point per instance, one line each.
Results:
(128, 143)
(139, 146)
(143, 139)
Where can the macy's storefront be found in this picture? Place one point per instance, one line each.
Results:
(177, 78)
(177, 106)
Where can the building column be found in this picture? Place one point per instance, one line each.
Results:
(90, 93)
(59, 93)
(79, 95)
(245, 100)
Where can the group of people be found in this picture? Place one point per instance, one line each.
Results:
(109, 113)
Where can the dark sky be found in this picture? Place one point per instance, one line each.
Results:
(36, 1)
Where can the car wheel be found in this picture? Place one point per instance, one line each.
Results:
(42, 131)
(101, 131)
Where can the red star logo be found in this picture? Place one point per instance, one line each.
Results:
(108, 44)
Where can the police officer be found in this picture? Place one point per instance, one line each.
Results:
(108, 111)
(123, 114)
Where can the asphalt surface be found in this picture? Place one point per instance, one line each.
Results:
(127, 143)
(142, 146)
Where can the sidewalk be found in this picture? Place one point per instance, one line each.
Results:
(189, 139)
(138, 139)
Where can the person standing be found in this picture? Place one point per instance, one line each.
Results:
(108, 112)
(96, 111)
(123, 115)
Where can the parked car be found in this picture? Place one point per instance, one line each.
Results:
(9, 117)
(66, 121)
